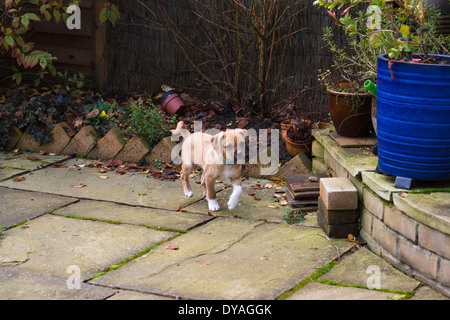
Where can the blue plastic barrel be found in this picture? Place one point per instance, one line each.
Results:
(413, 118)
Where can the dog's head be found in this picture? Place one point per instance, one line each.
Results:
(230, 146)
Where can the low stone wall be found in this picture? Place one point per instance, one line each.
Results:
(410, 230)
(86, 143)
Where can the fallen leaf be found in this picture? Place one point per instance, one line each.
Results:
(243, 123)
(264, 220)
(103, 170)
(181, 209)
(79, 185)
(272, 206)
(237, 217)
(251, 193)
(403, 194)
(17, 153)
(203, 263)
(103, 177)
(20, 179)
(257, 198)
(170, 246)
(58, 165)
(211, 214)
(94, 113)
(283, 203)
(351, 238)
(43, 153)
(33, 159)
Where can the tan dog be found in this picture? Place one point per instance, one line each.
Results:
(220, 156)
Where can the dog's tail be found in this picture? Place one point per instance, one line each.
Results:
(181, 130)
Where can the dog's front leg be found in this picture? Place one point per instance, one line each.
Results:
(213, 205)
(236, 195)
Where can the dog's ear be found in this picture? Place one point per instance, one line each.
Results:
(217, 142)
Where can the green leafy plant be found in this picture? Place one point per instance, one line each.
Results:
(101, 115)
(401, 27)
(148, 120)
(294, 216)
(15, 24)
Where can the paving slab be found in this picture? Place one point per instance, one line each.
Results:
(426, 293)
(263, 207)
(132, 188)
(7, 173)
(108, 211)
(356, 270)
(320, 291)
(133, 295)
(49, 244)
(24, 285)
(7, 160)
(18, 206)
(228, 259)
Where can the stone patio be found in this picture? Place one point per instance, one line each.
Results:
(135, 237)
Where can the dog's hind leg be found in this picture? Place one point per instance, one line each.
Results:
(186, 170)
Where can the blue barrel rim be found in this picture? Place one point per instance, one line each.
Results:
(385, 57)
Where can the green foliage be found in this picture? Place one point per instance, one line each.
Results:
(148, 120)
(399, 30)
(294, 216)
(101, 115)
(15, 19)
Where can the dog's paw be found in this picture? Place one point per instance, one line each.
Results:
(213, 205)
(233, 202)
(190, 194)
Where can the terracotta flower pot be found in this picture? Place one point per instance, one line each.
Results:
(296, 147)
(351, 113)
(284, 127)
(171, 102)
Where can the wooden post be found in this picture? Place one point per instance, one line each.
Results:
(99, 45)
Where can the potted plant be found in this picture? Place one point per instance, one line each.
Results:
(350, 103)
(298, 136)
(413, 79)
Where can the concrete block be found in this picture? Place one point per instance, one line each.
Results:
(27, 143)
(318, 150)
(16, 135)
(366, 221)
(299, 164)
(434, 240)
(162, 151)
(135, 150)
(337, 230)
(420, 259)
(319, 166)
(338, 194)
(373, 203)
(384, 236)
(82, 143)
(108, 147)
(333, 217)
(265, 164)
(444, 276)
(400, 223)
(60, 139)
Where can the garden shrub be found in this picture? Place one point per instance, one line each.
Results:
(149, 121)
